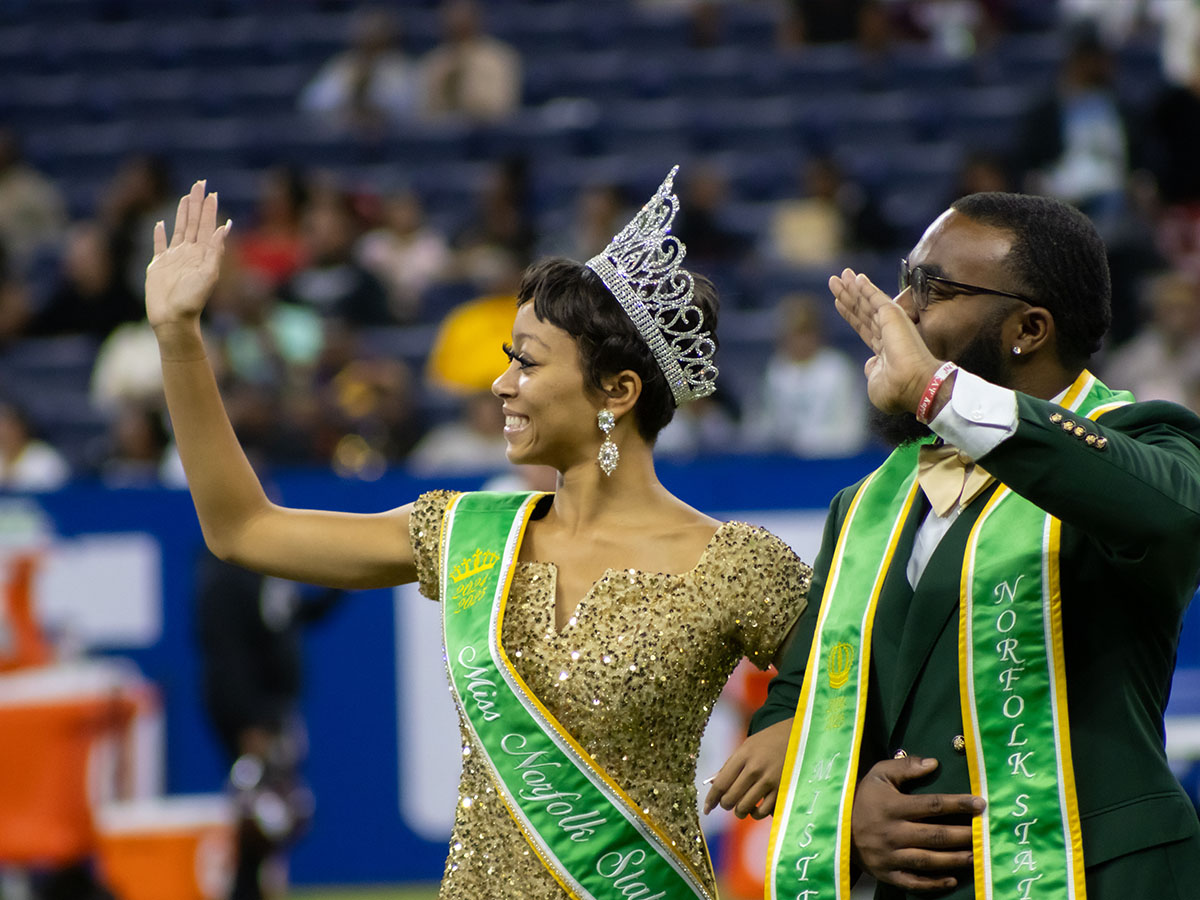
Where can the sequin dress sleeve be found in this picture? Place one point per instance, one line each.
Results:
(425, 529)
(760, 588)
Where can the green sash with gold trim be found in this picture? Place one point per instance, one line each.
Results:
(1012, 686)
(809, 851)
(1027, 842)
(591, 837)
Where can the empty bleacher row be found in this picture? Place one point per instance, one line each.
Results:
(613, 94)
(219, 93)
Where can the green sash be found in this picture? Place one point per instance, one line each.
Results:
(591, 837)
(1012, 686)
(809, 852)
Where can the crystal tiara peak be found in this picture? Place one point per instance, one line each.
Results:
(641, 267)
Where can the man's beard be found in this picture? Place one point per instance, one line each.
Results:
(895, 429)
(984, 357)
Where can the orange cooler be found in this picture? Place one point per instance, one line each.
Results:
(168, 848)
(54, 723)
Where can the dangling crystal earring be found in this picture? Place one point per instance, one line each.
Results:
(609, 455)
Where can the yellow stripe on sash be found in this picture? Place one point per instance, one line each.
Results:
(801, 733)
(666, 867)
(1089, 397)
(527, 514)
(1050, 592)
(863, 680)
(586, 757)
(1058, 671)
(1079, 389)
(1107, 407)
(800, 725)
(966, 694)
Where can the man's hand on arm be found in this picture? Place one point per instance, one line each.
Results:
(891, 839)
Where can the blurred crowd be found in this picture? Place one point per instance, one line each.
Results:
(355, 329)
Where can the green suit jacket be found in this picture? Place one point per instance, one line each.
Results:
(1130, 558)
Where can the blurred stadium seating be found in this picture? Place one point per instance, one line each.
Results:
(612, 93)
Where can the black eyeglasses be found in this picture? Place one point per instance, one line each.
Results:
(919, 280)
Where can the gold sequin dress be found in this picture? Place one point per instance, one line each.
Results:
(633, 677)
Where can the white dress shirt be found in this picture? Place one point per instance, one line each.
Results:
(979, 416)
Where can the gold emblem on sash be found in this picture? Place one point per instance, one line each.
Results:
(835, 713)
(841, 661)
(470, 578)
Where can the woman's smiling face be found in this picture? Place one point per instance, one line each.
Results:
(549, 414)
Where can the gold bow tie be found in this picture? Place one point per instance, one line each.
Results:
(948, 478)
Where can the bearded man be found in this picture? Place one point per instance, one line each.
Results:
(976, 709)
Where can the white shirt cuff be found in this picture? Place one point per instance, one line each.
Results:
(979, 416)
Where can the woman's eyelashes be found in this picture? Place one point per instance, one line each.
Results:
(524, 361)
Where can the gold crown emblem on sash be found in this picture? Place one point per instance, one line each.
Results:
(479, 561)
(470, 578)
(841, 661)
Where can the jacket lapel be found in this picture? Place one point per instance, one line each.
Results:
(892, 611)
(930, 610)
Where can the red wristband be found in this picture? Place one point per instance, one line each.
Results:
(935, 384)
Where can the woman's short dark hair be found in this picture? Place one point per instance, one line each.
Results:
(570, 296)
(1060, 261)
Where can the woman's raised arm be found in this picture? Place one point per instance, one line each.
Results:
(240, 524)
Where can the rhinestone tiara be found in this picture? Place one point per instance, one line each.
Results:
(641, 267)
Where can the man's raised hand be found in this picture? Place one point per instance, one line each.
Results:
(902, 365)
